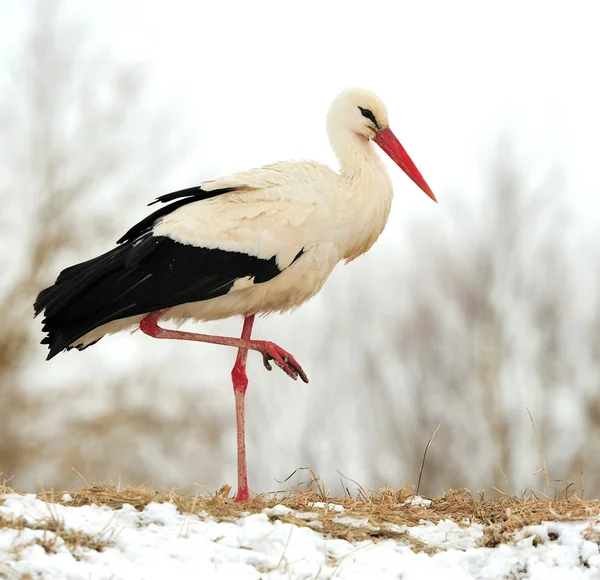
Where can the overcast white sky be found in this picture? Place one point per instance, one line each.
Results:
(254, 79)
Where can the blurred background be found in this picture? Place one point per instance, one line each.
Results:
(465, 313)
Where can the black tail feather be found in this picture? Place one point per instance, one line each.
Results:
(64, 322)
(148, 274)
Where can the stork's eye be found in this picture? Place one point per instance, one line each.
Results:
(368, 115)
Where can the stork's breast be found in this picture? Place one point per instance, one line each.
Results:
(363, 229)
(302, 280)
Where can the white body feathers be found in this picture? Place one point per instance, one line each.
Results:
(283, 209)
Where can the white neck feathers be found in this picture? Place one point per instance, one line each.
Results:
(366, 195)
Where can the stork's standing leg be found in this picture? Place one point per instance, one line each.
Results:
(240, 384)
(270, 352)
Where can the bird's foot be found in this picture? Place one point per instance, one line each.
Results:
(247, 498)
(283, 359)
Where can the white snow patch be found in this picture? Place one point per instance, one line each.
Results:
(416, 500)
(307, 515)
(159, 542)
(278, 510)
(330, 506)
(354, 522)
(447, 534)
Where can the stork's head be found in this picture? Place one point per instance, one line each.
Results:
(362, 114)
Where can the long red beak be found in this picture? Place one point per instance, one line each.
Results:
(390, 144)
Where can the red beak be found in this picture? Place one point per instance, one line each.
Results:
(390, 144)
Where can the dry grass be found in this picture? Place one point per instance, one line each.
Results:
(385, 510)
(53, 528)
(56, 529)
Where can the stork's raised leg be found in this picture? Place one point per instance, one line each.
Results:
(270, 352)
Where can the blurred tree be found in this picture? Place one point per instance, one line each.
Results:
(69, 121)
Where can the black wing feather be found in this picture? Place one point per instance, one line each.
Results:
(183, 197)
(149, 274)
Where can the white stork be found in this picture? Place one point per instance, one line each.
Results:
(255, 242)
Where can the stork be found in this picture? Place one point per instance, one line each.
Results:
(256, 242)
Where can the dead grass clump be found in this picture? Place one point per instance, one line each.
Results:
(384, 513)
(219, 505)
(55, 529)
(509, 514)
(5, 488)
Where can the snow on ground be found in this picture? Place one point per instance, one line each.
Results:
(159, 542)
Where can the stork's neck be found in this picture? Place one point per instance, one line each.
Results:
(359, 162)
(366, 193)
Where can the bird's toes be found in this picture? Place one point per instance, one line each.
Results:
(285, 361)
(281, 363)
(300, 373)
(266, 359)
(293, 364)
(287, 369)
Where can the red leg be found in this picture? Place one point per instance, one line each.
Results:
(240, 384)
(269, 350)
